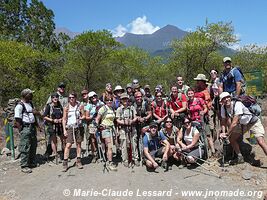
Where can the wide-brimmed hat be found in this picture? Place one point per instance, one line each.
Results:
(147, 87)
(129, 85)
(223, 95)
(117, 88)
(124, 96)
(136, 86)
(201, 77)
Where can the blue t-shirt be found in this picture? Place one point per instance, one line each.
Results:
(92, 108)
(229, 80)
(154, 142)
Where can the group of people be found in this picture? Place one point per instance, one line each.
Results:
(137, 125)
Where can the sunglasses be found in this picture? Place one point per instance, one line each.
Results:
(168, 122)
(159, 96)
(187, 122)
(109, 101)
(71, 97)
(154, 127)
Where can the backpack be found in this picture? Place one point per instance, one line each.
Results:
(79, 106)
(230, 75)
(249, 102)
(143, 109)
(10, 109)
(52, 109)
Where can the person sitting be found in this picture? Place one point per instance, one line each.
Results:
(156, 145)
(188, 140)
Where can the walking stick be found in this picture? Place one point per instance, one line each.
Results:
(101, 151)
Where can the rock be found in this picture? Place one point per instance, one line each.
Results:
(247, 175)
(5, 169)
(5, 151)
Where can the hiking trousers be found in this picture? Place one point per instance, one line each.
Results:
(28, 145)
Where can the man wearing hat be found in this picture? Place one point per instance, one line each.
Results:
(231, 80)
(126, 118)
(130, 92)
(26, 123)
(202, 91)
(156, 145)
(236, 120)
(148, 96)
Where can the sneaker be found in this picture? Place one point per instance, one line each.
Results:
(26, 170)
(112, 167)
(125, 164)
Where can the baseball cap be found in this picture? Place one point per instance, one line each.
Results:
(225, 59)
(54, 95)
(91, 94)
(26, 92)
(61, 85)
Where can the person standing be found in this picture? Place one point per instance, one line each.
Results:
(26, 123)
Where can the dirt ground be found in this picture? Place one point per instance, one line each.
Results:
(48, 182)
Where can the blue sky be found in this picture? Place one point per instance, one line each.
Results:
(249, 18)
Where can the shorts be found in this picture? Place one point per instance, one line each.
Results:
(256, 128)
(54, 130)
(92, 129)
(107, 133)
(78, 132)
(157, 153)
(196, 152)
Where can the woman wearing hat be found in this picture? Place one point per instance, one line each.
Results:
(91, 110)
(117, 94)
(73, 114)
(53, 116)
(105, 120)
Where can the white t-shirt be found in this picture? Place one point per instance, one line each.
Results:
(73, 116)
(189, 138)
(240, 109)
(27, 115)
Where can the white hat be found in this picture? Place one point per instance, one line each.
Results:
(201, 77)
(91, 94)
(118, 87)
(223, 95)
(225, 59)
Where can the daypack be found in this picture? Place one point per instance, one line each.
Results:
(230, 75)
(10, 109)
(52, 111)
(250, 102)
(141, 111)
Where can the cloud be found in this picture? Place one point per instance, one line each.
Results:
(140, 25)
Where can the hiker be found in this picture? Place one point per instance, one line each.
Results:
(188, 140)
(182, 88)
(53, 116)
(236, 121)
(73, 129)
(156, 145)
(108, 92)
(63, 99)
(232, 79)
(91, 110)
(117, 94)
(137, 87)
(171, 133)
(26, 123)
(105, 121)
(202, 91)
(130, 92)
(148, 96)
(214, 94)
(178, 105)
(159, 108)
(126, 118)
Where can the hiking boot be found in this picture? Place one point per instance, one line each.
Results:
(238, 160)
(65, 165)
(79, 163)
(125, 164)
(112, 167)
(94, 159)
(137, 163)
(26, 170)
(33, 165)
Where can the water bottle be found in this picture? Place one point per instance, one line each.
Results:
(252, 139)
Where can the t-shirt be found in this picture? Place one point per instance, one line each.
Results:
(160, 111)
(125, 113)
(188, 138)
(229, 80)
(205, 95)
(107, 116)
(73, 116)
(240, 109)
(153, 143)
(93, 108)
(27, 115)
(176, 103)
(194, 108)
(172, 137)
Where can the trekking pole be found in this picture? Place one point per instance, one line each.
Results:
(101, 152)
(208, 169)
(11, 135)
(56, 131)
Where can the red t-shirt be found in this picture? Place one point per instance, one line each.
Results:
(161, 111)
(195, 107)
(205, 95)
(176, 103)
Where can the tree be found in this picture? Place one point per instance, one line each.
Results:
(196, 50)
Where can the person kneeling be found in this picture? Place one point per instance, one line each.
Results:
(155, 146)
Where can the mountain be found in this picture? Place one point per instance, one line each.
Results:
(66, 31)
(159, 40)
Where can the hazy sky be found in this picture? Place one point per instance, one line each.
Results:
(249, 18)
